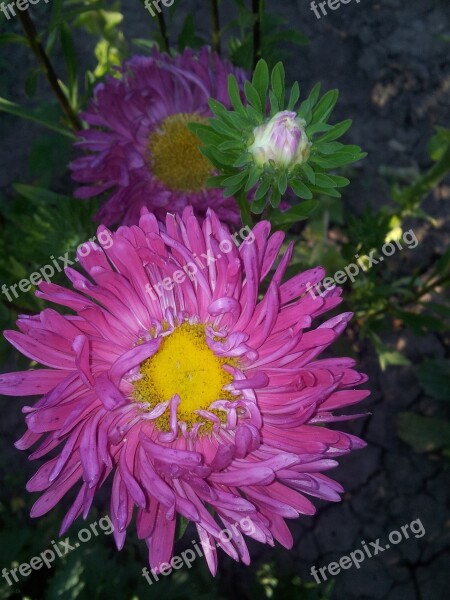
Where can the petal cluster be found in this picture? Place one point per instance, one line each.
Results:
(124, 114)
(262, 460)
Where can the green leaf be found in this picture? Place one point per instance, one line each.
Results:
(339, 181)
(275, 197)
(387, 357)
(328, 147)
(325, 106)
(187, 37)
(18, 111)
(253, 176)
(205, 133)
(311, 130)
(434, 377)
(235, 180)
(294, 96)
(13, 38)
(336, 132)
(244, 159)
(260, 80)
(274, 104)
(262, 190)
(39, 195)
(282, 183)
(278, 83)
(235, 95)
(324, 181)
(182, 524)
(309, 172)
(300, 189)
(253, 96)
(298, 213)
(424, 434)
(70, 58)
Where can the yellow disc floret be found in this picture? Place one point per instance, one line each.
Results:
(175, 157)
(183, 365)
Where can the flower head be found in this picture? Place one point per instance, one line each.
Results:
(196, 395)
(271, 145)
(138, 146)
(282, 140)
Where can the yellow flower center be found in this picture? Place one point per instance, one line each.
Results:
(176, 160)
(184, 365)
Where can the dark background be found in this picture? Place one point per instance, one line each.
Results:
(393, 72)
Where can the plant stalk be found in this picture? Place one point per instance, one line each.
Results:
(44, 62)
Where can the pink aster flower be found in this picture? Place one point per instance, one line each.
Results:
(192, 391)
(138, 147)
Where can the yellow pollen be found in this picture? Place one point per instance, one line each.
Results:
(184, 365)
(176, 160)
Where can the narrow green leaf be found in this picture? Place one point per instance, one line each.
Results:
(275, 197)
(70, 58)
(324, 181)
(325, 106)
(297, 213)
(253, 176)
(263, 189)
(261, 80)
(294, 96)
(18, 111)
(282, 183)
(235, 95)
(278, 83)
(300, 189)
(336, 132)
(253, 96)
(309, 172)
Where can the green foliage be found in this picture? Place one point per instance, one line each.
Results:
(228, 136)
(276, 35)
(424, 433)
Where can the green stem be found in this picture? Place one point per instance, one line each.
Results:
(216, 34)
(163, 30)
(257, 10)
(244, 206)
(415, 298)
(44, 61)
(413, 195)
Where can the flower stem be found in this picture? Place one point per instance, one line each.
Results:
(257, 9)
(244, 206)
(163, 30)
(216, 34)
(44, 61)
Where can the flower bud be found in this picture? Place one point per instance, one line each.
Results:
(282, 140)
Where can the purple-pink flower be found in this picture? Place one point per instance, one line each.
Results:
(138, 149)
(194, 394)
(282, 140)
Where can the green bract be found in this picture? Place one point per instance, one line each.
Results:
(228, 135)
